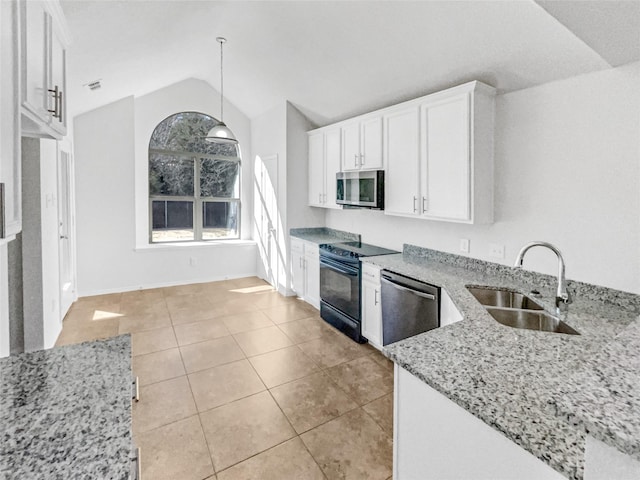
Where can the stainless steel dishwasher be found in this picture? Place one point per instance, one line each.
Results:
(409, 307)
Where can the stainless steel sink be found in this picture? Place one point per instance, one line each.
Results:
(531, 320)
(503, 298)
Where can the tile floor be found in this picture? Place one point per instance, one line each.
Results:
(239, 382)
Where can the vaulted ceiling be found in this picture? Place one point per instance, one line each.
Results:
(335, 59)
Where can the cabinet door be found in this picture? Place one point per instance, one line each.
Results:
(371, 313)
(332, 166)
(316, 170)
(312, 272)
(58, 80)
(402, 145)
(34, 53)
(297, 267)
(351, 147)
(371, 144)
(446, 160)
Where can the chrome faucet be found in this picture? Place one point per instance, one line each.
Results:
(563, 298)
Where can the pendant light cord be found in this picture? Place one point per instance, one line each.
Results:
(221, 40)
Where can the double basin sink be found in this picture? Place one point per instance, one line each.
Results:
(516, 310)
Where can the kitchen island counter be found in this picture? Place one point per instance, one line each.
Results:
(66, 412)
(513, 379)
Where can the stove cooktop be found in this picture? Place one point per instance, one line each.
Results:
(355, 249)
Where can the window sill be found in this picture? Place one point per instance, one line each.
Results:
(190, 245)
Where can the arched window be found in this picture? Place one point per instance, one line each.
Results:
(194, 185)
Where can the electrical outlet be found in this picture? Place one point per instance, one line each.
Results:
(464, 245)
(496, 250)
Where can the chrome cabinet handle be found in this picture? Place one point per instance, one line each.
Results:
(361, 160)
(319, 198)
(355, 160)
(136, 390)
(425, 204)
(415, 204)
(375, 297)
(57, 105)
(60, 106)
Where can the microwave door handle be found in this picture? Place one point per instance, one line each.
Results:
(428, 296)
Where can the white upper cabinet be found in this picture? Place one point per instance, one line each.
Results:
(324, 163)
(454, 164)
(362, 144)
(43, 39)
(402, 153)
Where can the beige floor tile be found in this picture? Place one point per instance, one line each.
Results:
(140, 323)
(211, 353)
(263, 340)
(271, 299)
(223, 384)
(241, 429)
(283, 365)
(311, 401)
(243, 322)
(158, 366)
(109, 302)
(287, 461)
(150, 341)
(187, 301)
(145, 295)
(290, 312)
(246, 282)
(86, 333)
(175, 451)
(192, 314)
(305, 330)
(363, 379)
(330, 350)
(180, 290)
(143, 309)
(163, 403)
(234, 306)
(352, 446)
(188, 333)
(382, 360)
(79, 317)
(381, 410)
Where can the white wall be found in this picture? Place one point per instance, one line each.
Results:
(106, 142)
(567, 163)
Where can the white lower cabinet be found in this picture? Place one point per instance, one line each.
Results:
(305, 270)
(371, 309)
(436, 439)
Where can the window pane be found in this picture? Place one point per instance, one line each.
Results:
(220, 220)
(170, 175)
(219, 178)
(186, 132)
(172, 221)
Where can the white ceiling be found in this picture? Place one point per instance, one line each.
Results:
(330, 59)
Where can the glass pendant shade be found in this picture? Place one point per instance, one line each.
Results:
(221, 133)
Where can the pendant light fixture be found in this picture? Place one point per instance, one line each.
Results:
(221, 133)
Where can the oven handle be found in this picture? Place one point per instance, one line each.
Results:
(339, 268)
(428, 296)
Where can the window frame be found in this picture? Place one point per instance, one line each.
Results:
(197, 199)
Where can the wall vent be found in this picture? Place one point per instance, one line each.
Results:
(95, 85)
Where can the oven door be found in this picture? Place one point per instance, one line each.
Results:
(340, 286)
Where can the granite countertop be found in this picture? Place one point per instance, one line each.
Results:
(523, 382)
(321, 235)
(66, 412)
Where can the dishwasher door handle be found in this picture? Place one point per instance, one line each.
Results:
(428, 296)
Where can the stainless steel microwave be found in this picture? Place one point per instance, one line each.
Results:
(360, 189)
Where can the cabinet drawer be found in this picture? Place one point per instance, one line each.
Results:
(370, 273)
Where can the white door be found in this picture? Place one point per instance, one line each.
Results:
(316, 170)
(351, 147)
(332, 165)
(371, 144)
(267, 215)
(402, 161)
(446, 172)
(65, 228)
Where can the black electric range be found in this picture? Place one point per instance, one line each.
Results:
(340, 284)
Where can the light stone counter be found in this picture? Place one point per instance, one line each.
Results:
(513, 379)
